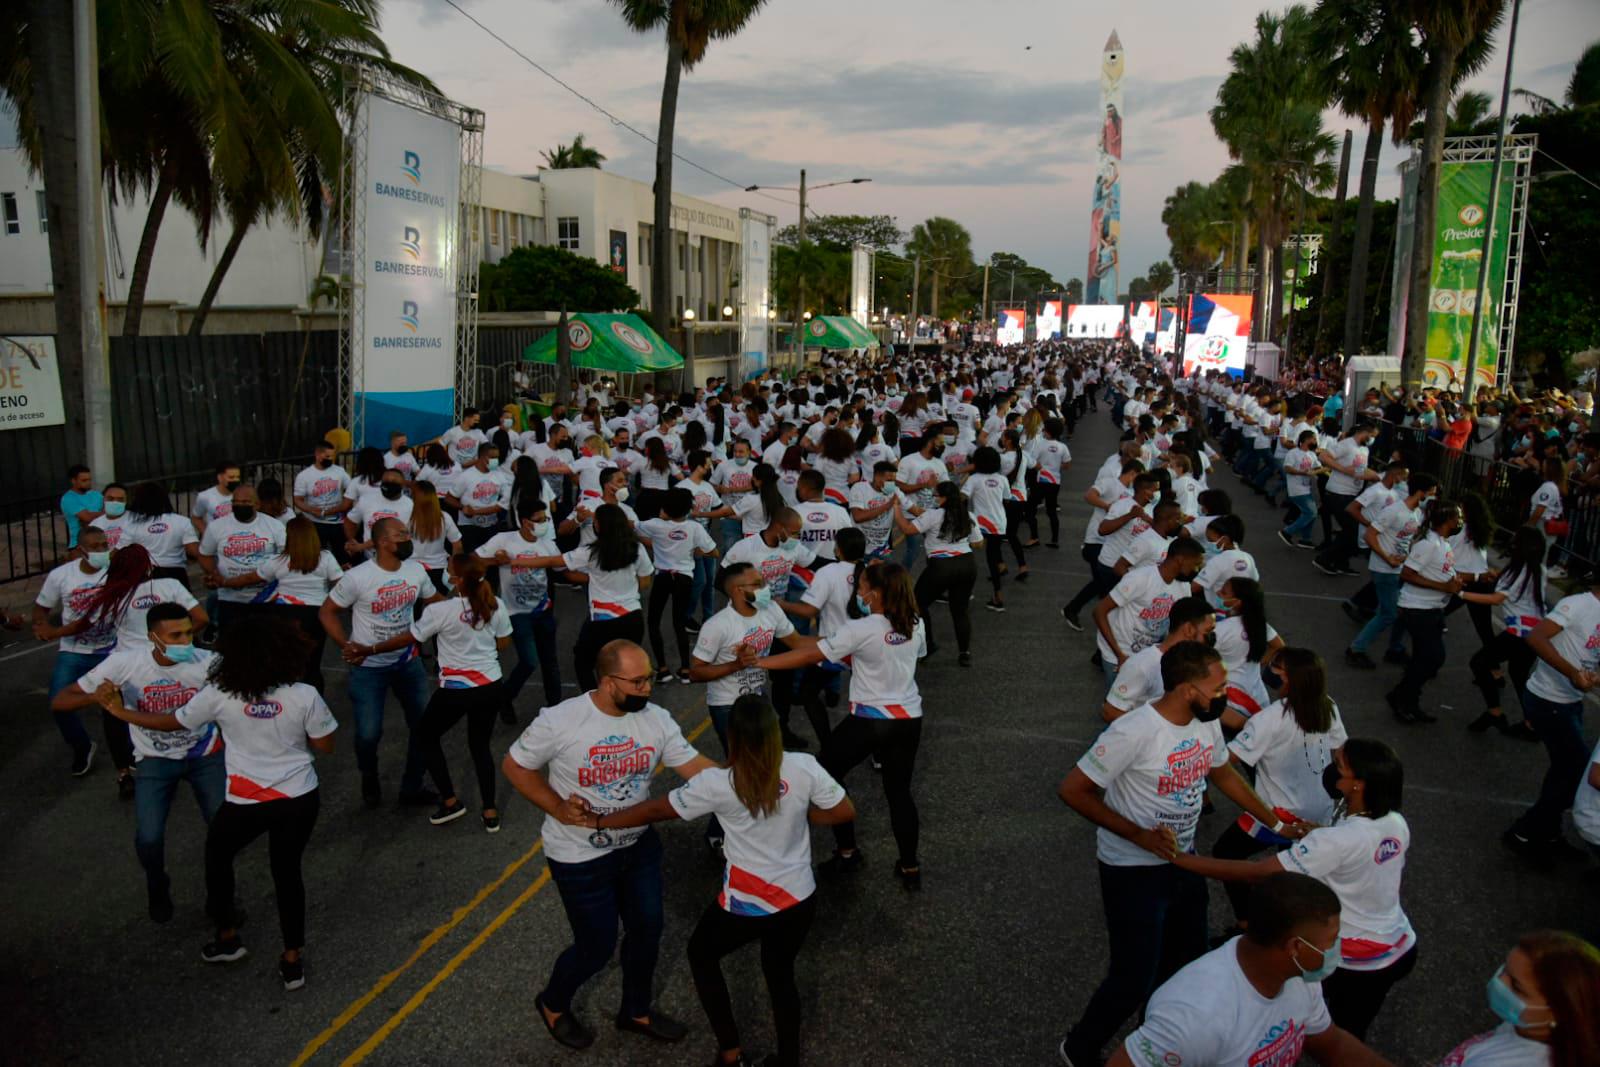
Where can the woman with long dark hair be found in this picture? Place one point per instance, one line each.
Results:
(1519, 592)
(435, 537)
(271, 724)
(472, 627)
(987, 491)
(836, 462)
(885, 719)
(132, 587)
(1469, 548)
(951, 571)
(1547, 998)
(655, 477)
(766, 800)
(757, 509)
(369, 468)
(1247, 643)
(170, 538)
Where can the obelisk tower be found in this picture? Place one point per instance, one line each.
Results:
(1105, 220)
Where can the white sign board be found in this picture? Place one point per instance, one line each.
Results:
(861, 284)
(755, 291)
(30, 383)
(407, 274)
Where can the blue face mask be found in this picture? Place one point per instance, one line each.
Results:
(862, 606)
(762, 597)
(179, 653)
(494, 464)
(1507, 1005)
(98, 560)
(1330, 961)
(1213, 548)
(114, 508)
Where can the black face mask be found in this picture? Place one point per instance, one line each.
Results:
(1211, 639)
(233, 485)
(401, 450)
(324, 463)
(391, 491)
(1330, 781)
(633, 702)
(244, 512)
(402, 551)
(1213, 711)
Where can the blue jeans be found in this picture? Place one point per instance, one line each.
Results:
(623, 884)
(1560, 727)
(1307, 518)
(1387, 587)
(368, 686)
(705, 583)
(913, 549)
(729, 533)
(533, 635)
(69, 667)
(155, 780)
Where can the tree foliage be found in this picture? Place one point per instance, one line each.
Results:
(574, 156)
(878, 232)
(544, 278)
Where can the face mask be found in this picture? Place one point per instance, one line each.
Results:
(401, 450)
(1213, 548)
(98, 560)
(761, 597)
(1330, 961)
(231, 486)
(541, 530)
(633, 702)
(1213, 711)
(1211, 639)
(114, 508)
(493, 464)
(402, 551)
(391, 491)
(621, 494)
(862, 606)
(740, 461)
(949, 438)
(506, 424)
(244, 512)
(324, 463)
(1507, 1005)
(179, 653)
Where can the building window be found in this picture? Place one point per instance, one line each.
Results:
(567, 233)
(44, 211)
(8, 205)
(683, 251)
(494, 226)
(700, 259)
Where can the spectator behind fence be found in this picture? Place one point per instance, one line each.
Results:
(81, 503)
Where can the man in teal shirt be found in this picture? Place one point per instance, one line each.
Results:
(81, 503)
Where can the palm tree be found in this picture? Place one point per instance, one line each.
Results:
(690, 27)
(1583, 88)
(1160, 276)
(1456, 37)
(1372, 69)
(1190, 215)
(945, 248)
(574, 156)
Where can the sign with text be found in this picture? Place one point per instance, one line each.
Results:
(755, 292)
(30, 383)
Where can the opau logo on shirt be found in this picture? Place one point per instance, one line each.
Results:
(146, 601)
(157, 528)
(264, 709)
(1389, 848)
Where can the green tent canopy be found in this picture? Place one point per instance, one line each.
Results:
(622, 344)
(838, 331)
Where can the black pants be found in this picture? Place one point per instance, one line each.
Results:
(1354, 997)
(954, 576)
(305, 617)
(480, 705)
(1426, 627)
(781, 935)
(1235, 844)
(178, 574)
(992, 543)
(1048, 494)
(230, 610)
(331, 534)
(813, 680)
(1345, 544)
(894, 742)
(1506, 648)
(674, 587)
(595, 634)
(287, 824)
(1016, 514)
(1325, 510)
(118, 740)
(1102, 580)
(474, 537)
(1482, 615)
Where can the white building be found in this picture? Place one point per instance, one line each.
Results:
(603, 216)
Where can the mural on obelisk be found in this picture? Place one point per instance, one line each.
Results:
(1105, 221)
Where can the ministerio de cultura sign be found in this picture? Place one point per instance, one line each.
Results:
(30, 383)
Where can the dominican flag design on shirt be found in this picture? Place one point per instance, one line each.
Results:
(885, 711)
(1048, 477)
(943, 553)
(987, 525)
(605, 609)
(1521, 625)
(744, 893)
(1260, 831)
(462, 678)
(1363, 950)
(836, 496)
(1242, 702)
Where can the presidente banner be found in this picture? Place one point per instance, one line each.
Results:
(1047, 326)
(410, 177)
(755, 291)
(1012, 326)
(1457, 263)
(1093, 320)
(1218, 336)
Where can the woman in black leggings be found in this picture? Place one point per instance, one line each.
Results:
(765, 798)
(472, 628)
(951, 571)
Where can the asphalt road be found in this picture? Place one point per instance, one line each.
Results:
(426, 945)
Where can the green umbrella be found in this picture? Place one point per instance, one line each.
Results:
(621, 344)
(838, 331)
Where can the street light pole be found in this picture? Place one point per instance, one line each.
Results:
(800, 276)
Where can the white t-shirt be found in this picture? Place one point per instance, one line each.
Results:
(462, 445)
(775, 564)
(113, 528)
(1361, 860)
(988, 494)
(435, 554)
(1432, 558)
(242, 547)
(133, 632)
(931, 522)
(1111, 490)
(924, 473)
(1289, 762)
(1210, 1015)
(299, 587)
(768, 857)
(73, 591)
(406, 463)
(863, 496)
(1154, 774)
(1229, 563)
(719, 642)
(468, 656)
(523, 589)
(1149, 547)
(1578, 643)
(163, 536)
(1297, 468)
(211, 504)
(1586, 805)
(883, 666)
(831, 591)
(1049, 456)
(605, 759)
(706, 497)
(612, 594)
(1523, 607)
(1396, 524)
(1500, 1047)
(1143, 601)
(321, 489)
(1138, 680)
(382, 605)
(673, 543)
(374, 507)
(820, 523)
(158, 690)
(1547, 496)
(266, 753)
(1348, 453)
(479, 489)
(1115, 543)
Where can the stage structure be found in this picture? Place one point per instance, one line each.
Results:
(755, 292)
(1105, 217)
(1458, 258)
(409, 187)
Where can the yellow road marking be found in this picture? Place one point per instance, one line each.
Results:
(382, 1033)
